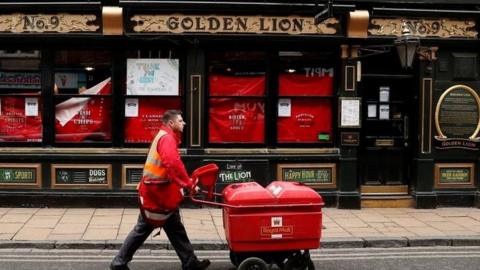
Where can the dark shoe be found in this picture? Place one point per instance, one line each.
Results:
(119, 267)
(200, 265)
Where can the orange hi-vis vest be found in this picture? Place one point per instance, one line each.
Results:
(153, 172)
(159, 197)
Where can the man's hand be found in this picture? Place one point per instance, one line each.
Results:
(192, 191)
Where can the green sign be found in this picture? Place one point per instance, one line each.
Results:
(308, 175)
(454, 176)
(18, 175)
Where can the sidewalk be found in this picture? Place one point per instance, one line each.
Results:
(106, 228)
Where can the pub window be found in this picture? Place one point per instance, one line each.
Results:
(153, 86)
(305, 91)
(236, 97)
(20, 96)
(83, 96)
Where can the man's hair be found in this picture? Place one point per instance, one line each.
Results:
(170, 115)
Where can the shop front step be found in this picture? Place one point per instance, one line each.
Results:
(387, 201)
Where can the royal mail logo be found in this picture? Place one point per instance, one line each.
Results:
(277, 222)
(284, 230)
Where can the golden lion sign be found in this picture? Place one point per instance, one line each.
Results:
(179, 23)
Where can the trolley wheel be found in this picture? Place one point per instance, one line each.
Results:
(299, 262)
(253, 263)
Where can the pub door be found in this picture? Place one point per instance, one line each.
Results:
(388, 108)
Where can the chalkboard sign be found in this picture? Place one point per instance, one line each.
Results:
(240, 171)
(85, 175)
(131, 175)
(457, 114)
(20, 175)
(315, 175)
(454, 175)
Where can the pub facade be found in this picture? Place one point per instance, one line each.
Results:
(371, 103)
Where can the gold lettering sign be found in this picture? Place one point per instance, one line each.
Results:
(39, 23)
(178, 23)
(444, 28)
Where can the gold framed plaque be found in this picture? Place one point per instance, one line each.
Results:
(454, 175)
(131, 175)
(315, 175)
(85, 176)
(20, 175)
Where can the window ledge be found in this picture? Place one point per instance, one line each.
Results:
(272, 151)
(75, 150)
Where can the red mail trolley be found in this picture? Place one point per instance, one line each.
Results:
(277, 224)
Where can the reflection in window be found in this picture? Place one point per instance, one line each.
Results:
(83, 102)
(20, 99)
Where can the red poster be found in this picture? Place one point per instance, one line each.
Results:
(221, 85)
(309, 118)
(303, 85)
(237, 120)
(14, 125)
(143, 128)
(85, 119)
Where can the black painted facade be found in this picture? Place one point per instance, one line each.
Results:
(399, 150)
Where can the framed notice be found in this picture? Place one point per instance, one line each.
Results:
(20, 175)
(152, 77)
(349, 110)
(131, 175)
(85, 176)
(454, 175)
(315, 175)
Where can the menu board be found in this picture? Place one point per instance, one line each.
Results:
(20, 175)
(84, 175)
(349, 110)
(315, 175)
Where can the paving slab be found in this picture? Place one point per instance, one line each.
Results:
(89, 228)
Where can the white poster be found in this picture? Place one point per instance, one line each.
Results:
(384, 112)
(350, 113)
(131, 107)
(152, 77)
(372, 110)
(384, 93)
(284, 107)
(31, 106)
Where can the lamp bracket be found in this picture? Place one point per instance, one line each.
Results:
(367, 51)
(427, 53)
(324, 14)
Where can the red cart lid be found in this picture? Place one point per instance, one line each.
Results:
(293, 193)
(276, 193)
(250, 193)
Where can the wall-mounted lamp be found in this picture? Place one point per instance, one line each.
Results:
(408, 45)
